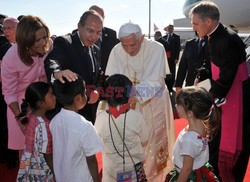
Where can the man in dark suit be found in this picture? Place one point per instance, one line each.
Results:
(77, 54)
(107, 40)
(158, 37)
(194, 59)
(173, 54)
(229, 149)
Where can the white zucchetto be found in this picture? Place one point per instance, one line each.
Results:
(128, 29)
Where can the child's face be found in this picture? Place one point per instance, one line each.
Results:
(50, 100)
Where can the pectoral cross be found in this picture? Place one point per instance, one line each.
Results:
(135, 81)
(133, 101)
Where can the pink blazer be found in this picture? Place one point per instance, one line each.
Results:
(16, 76)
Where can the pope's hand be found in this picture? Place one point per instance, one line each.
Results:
(93, 98)
(132, 100)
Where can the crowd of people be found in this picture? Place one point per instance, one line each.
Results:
(64, 99)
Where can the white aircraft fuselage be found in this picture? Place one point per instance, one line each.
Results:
(232, 12)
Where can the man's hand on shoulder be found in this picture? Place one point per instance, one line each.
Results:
(69, 75)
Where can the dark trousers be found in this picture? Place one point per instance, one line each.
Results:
(3, 126)
(240, 167)
(242, 161)
(6, 155)
(170, 79)
(214, 146)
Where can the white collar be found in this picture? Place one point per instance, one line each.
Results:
(80, 38)
(213, 30)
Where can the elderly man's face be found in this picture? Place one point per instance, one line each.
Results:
(90, 32)
(131, 45)
(200, 26)
(9, 29)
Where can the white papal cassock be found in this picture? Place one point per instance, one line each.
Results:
(149, 68)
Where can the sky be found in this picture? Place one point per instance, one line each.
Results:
(62, 16)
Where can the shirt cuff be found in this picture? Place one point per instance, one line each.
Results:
(10, 99)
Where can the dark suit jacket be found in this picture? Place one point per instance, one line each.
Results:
(3, 49)
(164, 43)
(191, 61)
(174, 46)
(109, 40)
(227, 51)
(3, 40)
(68, 53)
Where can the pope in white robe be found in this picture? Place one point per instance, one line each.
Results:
(144, 62)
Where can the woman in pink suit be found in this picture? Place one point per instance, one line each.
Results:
(22, 65)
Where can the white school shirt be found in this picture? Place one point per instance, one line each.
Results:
(192, 144)
(136, 135)
(74, 138)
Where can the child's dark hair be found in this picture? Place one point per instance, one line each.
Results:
(201, 103)
(66, 92)
(120, 86)
(35, 92)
